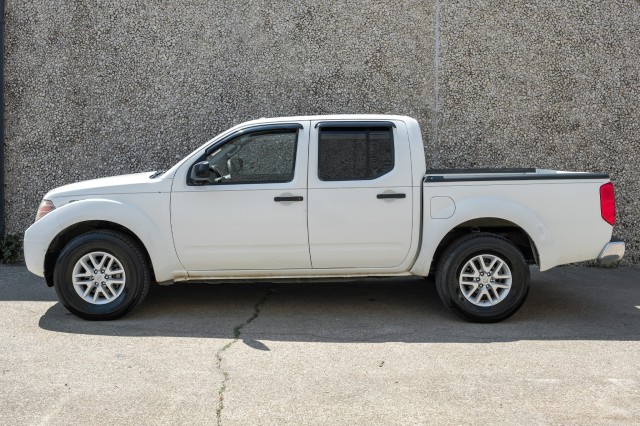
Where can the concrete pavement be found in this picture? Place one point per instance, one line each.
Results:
(368, 352)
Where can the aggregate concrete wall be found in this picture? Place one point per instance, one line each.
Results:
(96, 88)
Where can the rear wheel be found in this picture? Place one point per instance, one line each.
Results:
(101, 275)
(483, 278)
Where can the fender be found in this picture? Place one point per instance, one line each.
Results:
(434, 230)
(161, 250)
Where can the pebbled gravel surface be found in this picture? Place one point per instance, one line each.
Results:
(109, 87)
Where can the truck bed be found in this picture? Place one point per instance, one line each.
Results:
(559, 211)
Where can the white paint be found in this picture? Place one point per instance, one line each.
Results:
(340, 229)
(349, 227)
(562, 217)
(442, 207)
(240, 226)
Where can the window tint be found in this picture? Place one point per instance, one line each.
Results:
(260, 157)
(354, 154)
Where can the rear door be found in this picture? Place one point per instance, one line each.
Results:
(360, 195)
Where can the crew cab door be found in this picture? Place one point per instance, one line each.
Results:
(360, 194)
(252, 213)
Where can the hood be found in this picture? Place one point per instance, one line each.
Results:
(124, 184)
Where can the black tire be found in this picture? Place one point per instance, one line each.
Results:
(457, 256)
(130, 256)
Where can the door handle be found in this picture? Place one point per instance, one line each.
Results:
(293, 198)
(391, 195)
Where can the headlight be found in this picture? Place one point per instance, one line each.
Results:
(45, 207)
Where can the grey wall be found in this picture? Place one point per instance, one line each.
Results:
(96, 88)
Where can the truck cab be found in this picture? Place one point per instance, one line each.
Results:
(317, 196)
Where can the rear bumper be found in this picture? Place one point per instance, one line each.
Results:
(612, 252)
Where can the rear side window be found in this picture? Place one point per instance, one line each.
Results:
(354, 153)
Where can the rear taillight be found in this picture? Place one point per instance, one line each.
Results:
(45, 207)
(608, 203)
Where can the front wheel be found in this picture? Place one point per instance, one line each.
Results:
(101, 275)
(483, 278)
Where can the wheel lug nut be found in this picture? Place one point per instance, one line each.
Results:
(95, 271)
(92, 277)
(102, 271)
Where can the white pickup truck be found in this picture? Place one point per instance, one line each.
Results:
(319, 197)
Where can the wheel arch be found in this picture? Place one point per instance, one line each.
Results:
(492, 214)
(491, 225)
(77, 229)
(146, 219)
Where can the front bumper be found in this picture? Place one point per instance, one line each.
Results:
(612, 252)
(34, 252)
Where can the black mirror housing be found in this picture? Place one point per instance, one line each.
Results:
(200, 172)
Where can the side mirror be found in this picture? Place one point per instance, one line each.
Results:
(200, 172)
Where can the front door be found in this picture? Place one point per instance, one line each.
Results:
(252, 213)
(360, 195)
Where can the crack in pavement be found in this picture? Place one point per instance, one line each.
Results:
(237, 332)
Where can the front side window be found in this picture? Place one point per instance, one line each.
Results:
(354, 153)
(259, 157)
